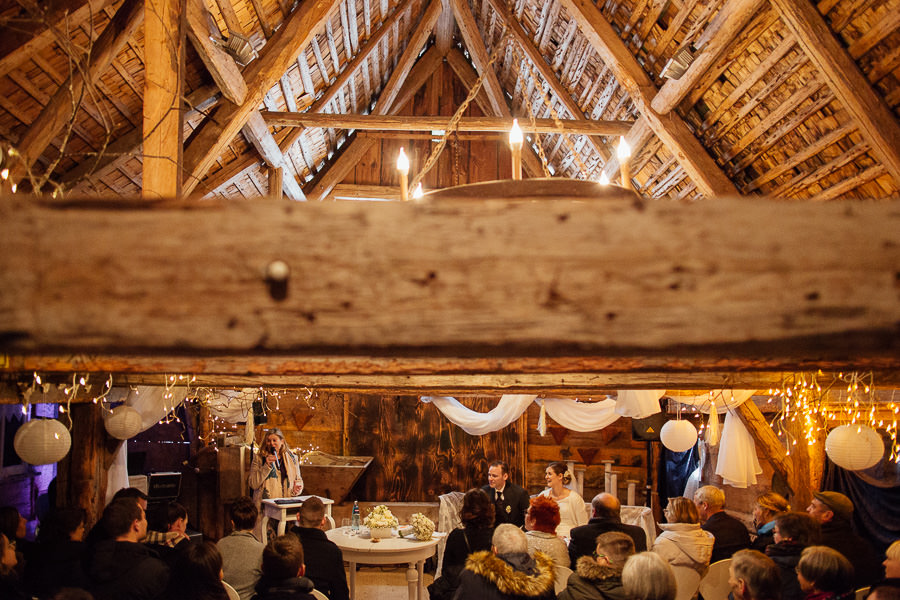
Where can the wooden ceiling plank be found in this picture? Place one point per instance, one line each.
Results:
(220, 65)
(850, 183)
(257, 133)
(361, 288)
(471, 36)
(874, 117)
(670, 128)
(415, 123)
(60, 109)
(230, 17)
(260, 11)
(276, 56)
(163, 129)
(443, 30)
(805, 181)
(427, 65)
(27, 39)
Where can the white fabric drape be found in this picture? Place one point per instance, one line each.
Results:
(510, 408)
(581, 416)
(738, 464)
(638, 404)
(726, 400)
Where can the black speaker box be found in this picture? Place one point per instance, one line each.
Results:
(647, 429)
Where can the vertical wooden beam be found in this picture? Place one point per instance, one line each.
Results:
(876, 121)
(64, 104)
(276, 176)
(163, 70)
(768, 443)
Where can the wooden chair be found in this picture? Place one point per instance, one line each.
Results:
(861, 593)
(714, 585)
(319, 595)
(688, 581)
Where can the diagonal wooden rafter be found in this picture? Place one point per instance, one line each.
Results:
(64, 103)
(669, 128)
(723, 29)
(871, 113)
(229, 118)
(385, 104)
(227, 75)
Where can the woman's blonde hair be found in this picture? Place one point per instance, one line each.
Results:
(893, 551)
(264, 447)
(682, 510)
(774, 503)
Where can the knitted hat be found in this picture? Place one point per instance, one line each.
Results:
(839, 504)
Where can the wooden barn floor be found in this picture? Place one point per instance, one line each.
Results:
(383, 583)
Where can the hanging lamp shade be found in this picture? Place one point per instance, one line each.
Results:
(124, 423)
(42, 441)
(678, 436)
(854, 447)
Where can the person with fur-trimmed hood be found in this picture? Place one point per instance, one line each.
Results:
(599, 577)
(507, 572)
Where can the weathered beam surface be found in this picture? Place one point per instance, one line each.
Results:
(487, 276)
(411, 123)
(869, 111)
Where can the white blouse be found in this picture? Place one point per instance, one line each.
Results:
(572, 512)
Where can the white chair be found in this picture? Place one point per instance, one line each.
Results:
(714, 585)
(448, 520)
(232, 593)
(562, 578)
(688, 581)
(862, 592)
(319, 595)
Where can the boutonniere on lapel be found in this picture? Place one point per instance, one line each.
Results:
(508, 509)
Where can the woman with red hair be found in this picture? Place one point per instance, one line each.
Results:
(541, 522)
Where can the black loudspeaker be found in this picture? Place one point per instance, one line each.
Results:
(259, 413)
(647, 429)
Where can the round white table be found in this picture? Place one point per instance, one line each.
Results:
(394, 550)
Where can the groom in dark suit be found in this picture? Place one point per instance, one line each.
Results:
(510, 500)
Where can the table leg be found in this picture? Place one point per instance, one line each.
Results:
(264, 534)
(412, 578)
(352, 581)
(421, 569)
(283, 522)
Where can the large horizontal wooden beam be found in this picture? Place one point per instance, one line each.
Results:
(488, 276)
(409, 123)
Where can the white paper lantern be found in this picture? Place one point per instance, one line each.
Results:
(854, 447)
(678, 436)
(42, 441)
(124, 423)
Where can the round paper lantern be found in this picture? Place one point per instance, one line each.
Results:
(854, 447)
(124, 423)
(678, 436)
(42, 441)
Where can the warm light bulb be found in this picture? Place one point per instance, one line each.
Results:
(624, 150)
(4, 174)
(417, 193)
(515, 133)
(402, 161)
(604, 179)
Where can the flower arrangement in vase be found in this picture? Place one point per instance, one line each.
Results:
(379, 521)
(421, 527)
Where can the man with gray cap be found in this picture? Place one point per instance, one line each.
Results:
(834, 512)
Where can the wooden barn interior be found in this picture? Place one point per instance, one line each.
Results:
(201, 199)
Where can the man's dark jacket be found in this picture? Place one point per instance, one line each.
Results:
(126, 571)
(731, 535)
(516, 576)
(584, 537)
(513, 507)
(838, 534)
(324, 562)
(295, 588)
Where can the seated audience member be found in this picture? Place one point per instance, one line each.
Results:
(282, 571)
(477, 516)
(892, 565)
(541, 522)
(834, 512)
(324, 560)
(884, 592)
(753, 576)
(72, 594)
(122, 568)
(571, 506)
(605, 517)
(767, 506)
(729, 533)
(241, 551)
(793, 532)
(197, 574)
(646, 576)
(599, 577)
(172, 519)
(15, 528)
(10, 585)
(58, 559)
(507, 572)
(682, 542)
(824, 574)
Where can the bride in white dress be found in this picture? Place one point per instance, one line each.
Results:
(572, 512)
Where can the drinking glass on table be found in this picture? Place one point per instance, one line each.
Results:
(345, 525)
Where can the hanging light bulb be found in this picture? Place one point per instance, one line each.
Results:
(418, 193)
(515, 145)
(403, 167)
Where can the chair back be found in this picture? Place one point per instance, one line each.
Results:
(232, 593)
(448, 520)
(562, 578)
(688, 581)
(862, 592)
(714, 585)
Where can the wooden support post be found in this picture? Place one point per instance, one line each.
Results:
(276, 177)
(768, 443)
(163, 76)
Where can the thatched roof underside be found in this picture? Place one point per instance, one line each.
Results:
(772, 120)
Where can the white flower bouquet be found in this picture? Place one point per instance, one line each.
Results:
(380, 517)
(420, 526)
